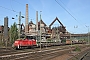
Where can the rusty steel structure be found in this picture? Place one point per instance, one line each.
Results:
(61, 28)
(41, 23)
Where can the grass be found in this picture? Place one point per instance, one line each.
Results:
(77, 48)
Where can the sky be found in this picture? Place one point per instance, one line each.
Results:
(74, 14)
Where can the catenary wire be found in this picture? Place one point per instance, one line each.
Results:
(68, 12)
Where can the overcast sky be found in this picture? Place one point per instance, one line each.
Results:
(74, 14)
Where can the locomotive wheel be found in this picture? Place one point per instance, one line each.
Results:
(31, 47)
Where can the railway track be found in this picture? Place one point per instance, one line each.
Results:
(35, 54)
(4, 51)
(45, 54)
(82, 54)
(28, 53)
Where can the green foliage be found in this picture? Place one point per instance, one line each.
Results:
(13, 33)
(63, 41)
(77, 48)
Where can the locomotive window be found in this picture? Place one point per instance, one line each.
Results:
(30, 37)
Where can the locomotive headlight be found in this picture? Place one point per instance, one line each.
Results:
(33, 40)
(16, 41)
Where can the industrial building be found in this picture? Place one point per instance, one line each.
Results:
(54, 33)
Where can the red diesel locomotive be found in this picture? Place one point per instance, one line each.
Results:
(29, 41)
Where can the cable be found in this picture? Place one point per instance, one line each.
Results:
(9, 9)
(66, 6)
(67, 11)
(11, 4)
(23, 5)
(18, 2)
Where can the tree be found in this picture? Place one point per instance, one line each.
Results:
(13, 33)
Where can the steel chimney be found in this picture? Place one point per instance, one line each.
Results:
(26, 19)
